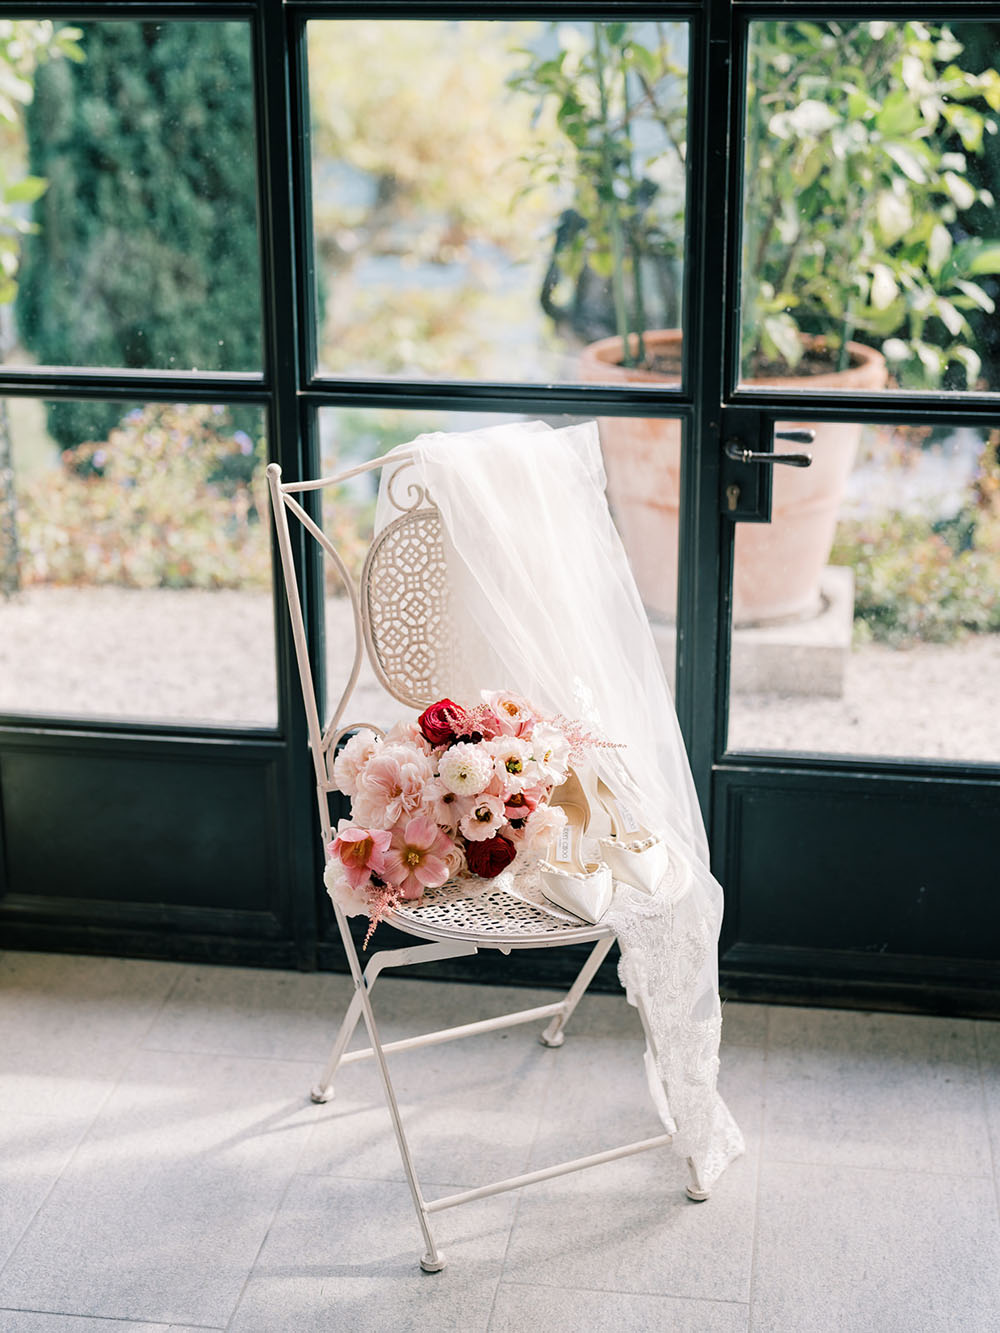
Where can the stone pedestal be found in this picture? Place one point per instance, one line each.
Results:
(795, 657)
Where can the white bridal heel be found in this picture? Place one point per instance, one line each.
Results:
(582, 887)
(635, 856)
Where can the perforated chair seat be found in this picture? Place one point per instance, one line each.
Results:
(486, 913)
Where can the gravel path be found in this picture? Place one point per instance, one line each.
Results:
(930, 702)
(193, 656)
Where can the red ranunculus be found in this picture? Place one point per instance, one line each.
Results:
(442, 721)
(487, 858)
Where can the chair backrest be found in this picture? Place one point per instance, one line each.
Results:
(399, 604)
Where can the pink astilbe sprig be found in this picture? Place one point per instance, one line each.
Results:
(481, 720)
(382, 900)
(580, 739)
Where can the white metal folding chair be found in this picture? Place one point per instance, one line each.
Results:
(400, 611)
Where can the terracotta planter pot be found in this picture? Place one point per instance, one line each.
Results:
(778, 565)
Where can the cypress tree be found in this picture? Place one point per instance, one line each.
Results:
(147, 252)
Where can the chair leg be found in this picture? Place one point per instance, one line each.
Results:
(323, 1091)
(433, 1260)
(553, 1034)
(696, 1192)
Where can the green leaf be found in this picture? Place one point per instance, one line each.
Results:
(884, 290)
(894, 214)
(899, 116)
(645, 62)
(812, 118)
(976, 295)
(989, 86)
(973, 258)
(859, 105)
(906, 158)
(959, 190)
(972, 363)
(781, 340)
(602, 264)
(938, 249)
(953, 320)
(26, 190)
(969, 126)
(806, 169)
(932, 359)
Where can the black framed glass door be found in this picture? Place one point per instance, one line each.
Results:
(856, 782)
(393, 217)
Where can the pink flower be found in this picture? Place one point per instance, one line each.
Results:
(455, 860)
(514, 713)
(391, 786)
(543, 825)
(361, 852)
(349, 764)
(514, 765)
(351, 901)
(444, 806)
(486, 722)
(521, 804)
(418, 857)
(407, 733)
(484, 819)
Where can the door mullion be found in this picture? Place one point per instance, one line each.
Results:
(278, 107)
(699, 637)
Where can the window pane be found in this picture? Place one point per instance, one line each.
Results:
(350, 437)
(868, 612)
(130, 240)
(137, 567)
(871, 228)
(491, 198)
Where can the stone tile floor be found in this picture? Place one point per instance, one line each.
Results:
(161, 1166)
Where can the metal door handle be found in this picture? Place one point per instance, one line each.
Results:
(735, 451)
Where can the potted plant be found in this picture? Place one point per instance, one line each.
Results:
(854, 254)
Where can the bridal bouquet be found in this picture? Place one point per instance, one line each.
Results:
(461, 789)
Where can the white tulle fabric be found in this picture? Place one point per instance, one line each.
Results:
(544, 603)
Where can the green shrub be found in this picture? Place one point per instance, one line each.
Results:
(163, 502)
(921, 580)
(146, 254)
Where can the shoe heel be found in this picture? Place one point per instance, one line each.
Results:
(636, 856)
(584, 888)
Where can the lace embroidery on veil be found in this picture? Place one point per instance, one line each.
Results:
(543, 602)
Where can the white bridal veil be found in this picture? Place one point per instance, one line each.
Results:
(544, 603)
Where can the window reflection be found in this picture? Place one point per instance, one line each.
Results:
(130, 217)
(492, 198)
(136, 567)
(870, 215)
(898, 652)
